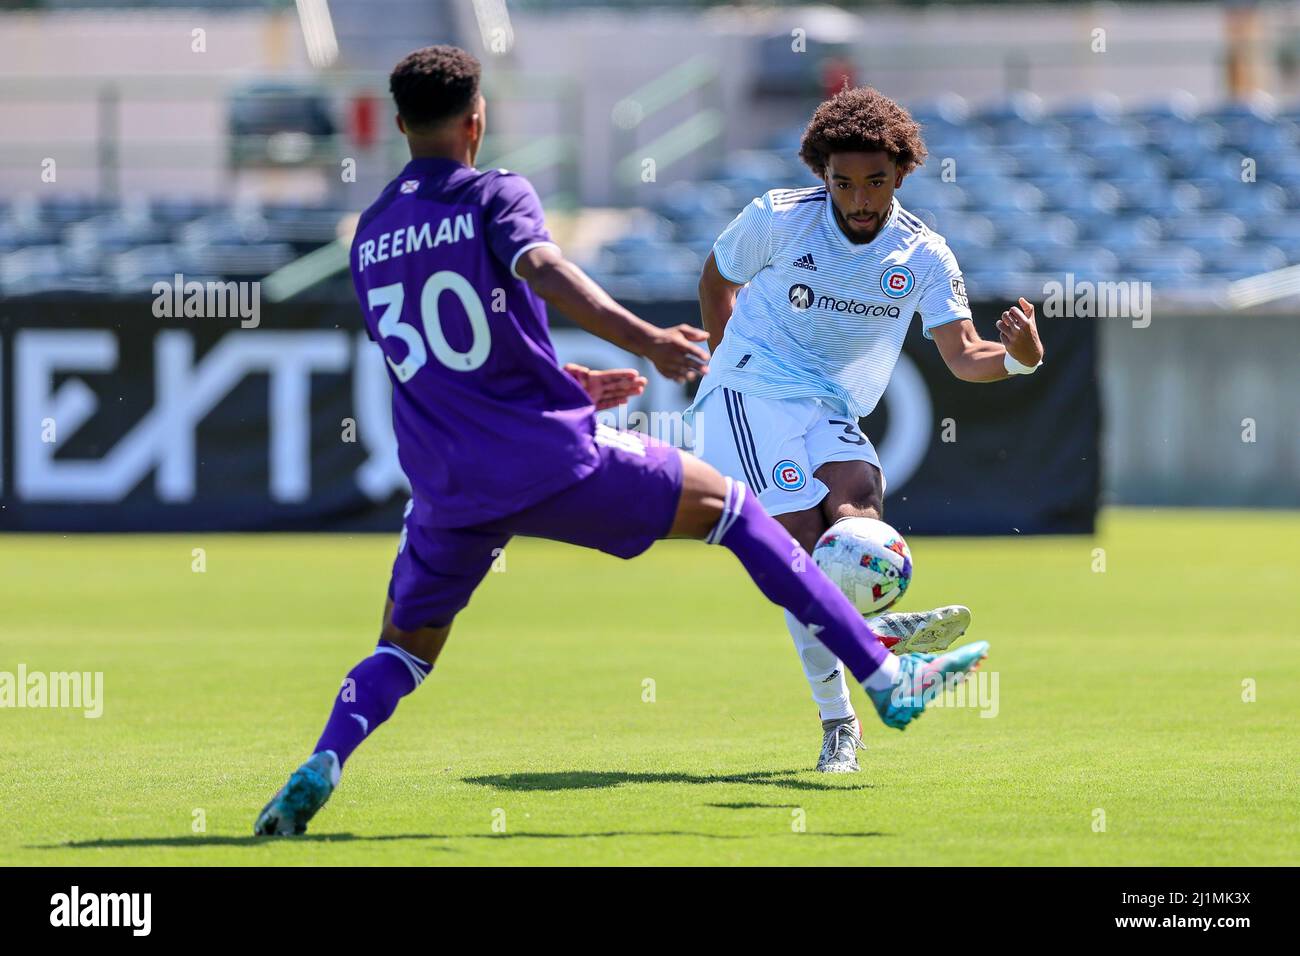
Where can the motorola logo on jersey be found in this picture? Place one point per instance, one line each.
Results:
(854, 307)
(897, 282)
(800, 297)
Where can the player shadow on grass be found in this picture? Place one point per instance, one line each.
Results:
(250, 840)
(600, 779)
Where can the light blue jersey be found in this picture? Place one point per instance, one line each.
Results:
(821, 316)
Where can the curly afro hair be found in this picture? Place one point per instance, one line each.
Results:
(433, 84)
(862, 120)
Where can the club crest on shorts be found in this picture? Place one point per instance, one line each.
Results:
(788, 475)
(897, 282)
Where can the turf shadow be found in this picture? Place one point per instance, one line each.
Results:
(126, 842)
(250, 841)
(641, 833)
(601, 779)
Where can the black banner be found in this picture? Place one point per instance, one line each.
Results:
(127, 905)
(116, 419)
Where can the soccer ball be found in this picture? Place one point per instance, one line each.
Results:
(868, 560)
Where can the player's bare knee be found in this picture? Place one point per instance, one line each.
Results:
(804, 526)
(863, 508)
(425, 643)
(856, 490)
(704, 492)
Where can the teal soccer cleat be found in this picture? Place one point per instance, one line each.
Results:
(922, 677)
(305, 793)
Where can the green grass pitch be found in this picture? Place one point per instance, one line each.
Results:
(1121, 737)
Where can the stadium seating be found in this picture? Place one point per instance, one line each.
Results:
(1154, 193)
(1023, 194)
(66, 244)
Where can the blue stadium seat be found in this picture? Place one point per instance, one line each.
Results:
(1021, 108)
(1122, 232)
(998, 197)
(1213, 226)
(1084, 262)
(1249, 200)
(1168, 266)
(1245, 261)
(925, 189)
(1034, 232)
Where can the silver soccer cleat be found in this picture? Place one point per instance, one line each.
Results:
(923, 631)
(840, 745)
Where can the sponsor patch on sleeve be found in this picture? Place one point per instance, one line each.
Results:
(959, 292)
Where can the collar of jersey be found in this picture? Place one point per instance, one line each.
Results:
(435, 164)
(848, 243)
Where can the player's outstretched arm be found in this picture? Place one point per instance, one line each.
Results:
(717, 300)
(974, 359)
(562, 284)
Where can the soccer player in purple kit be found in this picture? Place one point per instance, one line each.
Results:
(452, 266)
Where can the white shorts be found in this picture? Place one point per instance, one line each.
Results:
(775, 445)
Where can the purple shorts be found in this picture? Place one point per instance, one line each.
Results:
(624, 506)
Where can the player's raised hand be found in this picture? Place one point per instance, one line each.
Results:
(1019, 333)
(676, 355)
(608, 388)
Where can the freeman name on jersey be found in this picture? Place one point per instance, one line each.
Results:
(399, 242)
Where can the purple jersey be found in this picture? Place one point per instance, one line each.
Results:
(486, 422)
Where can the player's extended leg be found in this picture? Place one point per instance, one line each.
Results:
(841, 730)
(855, 489)
(371, 691)
(433, 577)
(368, 696)
(722, 511)
(773, 459)
(898, 687)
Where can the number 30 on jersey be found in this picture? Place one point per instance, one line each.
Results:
(391, 297)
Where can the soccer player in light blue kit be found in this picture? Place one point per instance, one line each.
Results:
(452, 266)
(807, 297)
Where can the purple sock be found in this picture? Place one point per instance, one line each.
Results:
(771, 557)
(369, 696)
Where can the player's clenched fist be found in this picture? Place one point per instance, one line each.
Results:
(675, 353)
(1019, 333)
(609, 388)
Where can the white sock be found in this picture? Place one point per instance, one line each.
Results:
(883, 677)
(824, 671)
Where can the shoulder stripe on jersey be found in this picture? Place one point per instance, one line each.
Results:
(744, 440)
(913, 221)
(794, 199)
(796, 202)
(797, 189)
(802, 195)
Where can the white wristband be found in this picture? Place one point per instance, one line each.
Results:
(1015, 368)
